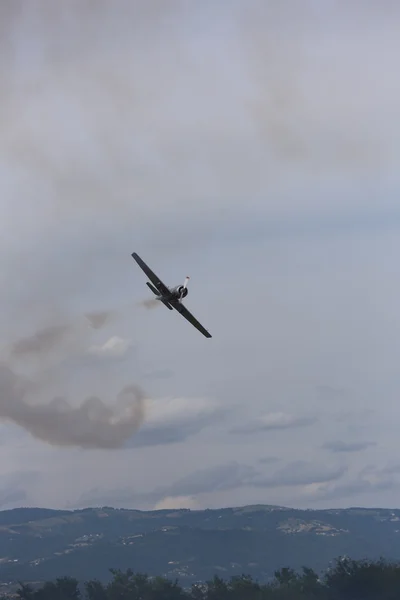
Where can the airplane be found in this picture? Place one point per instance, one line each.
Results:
(170, 297)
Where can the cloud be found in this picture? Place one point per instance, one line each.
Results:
(330, 392)
(360, 486)
(370, 480)
(212, 479)
(299, 473)
(174, 420)
(114, 347)
(304, 479)
(340, 446)
(83, 164)
(13, 487)
(355, 416)
(343, 491)
(96, 496)
(271, 421)
(159, 374)
(234, 475)
(391, 469)
(268, 460)
(229, 476)
(177, 502)
(223, 477)
(11, 498)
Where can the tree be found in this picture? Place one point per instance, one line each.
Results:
(94, 590)
(216, 589)
(165, 589)
(128, 586)
(26, 592)
(245, 587)
(285, 576)
(63, 588)
(363, 580)
(348, 580)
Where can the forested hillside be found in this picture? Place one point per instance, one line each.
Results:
(41, 545)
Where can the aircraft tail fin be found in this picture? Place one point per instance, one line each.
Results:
(153, 289)
(157, 293)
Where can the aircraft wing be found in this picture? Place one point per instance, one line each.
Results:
(161, 287)
(185, 313)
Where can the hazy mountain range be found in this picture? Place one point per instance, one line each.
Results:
(40, 544)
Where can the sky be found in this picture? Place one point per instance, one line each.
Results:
(253, 146)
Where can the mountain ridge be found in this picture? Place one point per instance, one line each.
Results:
(40, 544)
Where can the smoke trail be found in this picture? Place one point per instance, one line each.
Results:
(98, 319)
(93, 424)
(42, 341)
(53, 337)
(150, 303)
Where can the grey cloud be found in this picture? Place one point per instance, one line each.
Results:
(114, 347)
(330, 391)
(379, 472)
(160, 436)
(42, 341)
(92, 424)
(301, 473)
(211, 479)
(20, 477)
(255, 106)
(175, 431)
(268, 460)
(117, 498)
(13, 487)
(368, 480)
(340, 446)
(13, 497)
(223, 477)
(122, 86)
(274, 421)
(354, 488)
(159, 374)
(354, 416)
(391, 469)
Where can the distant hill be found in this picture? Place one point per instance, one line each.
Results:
(39, 544)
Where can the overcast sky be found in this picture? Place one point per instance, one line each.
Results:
(254, 146)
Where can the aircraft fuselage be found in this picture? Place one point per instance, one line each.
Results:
(177, 293)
